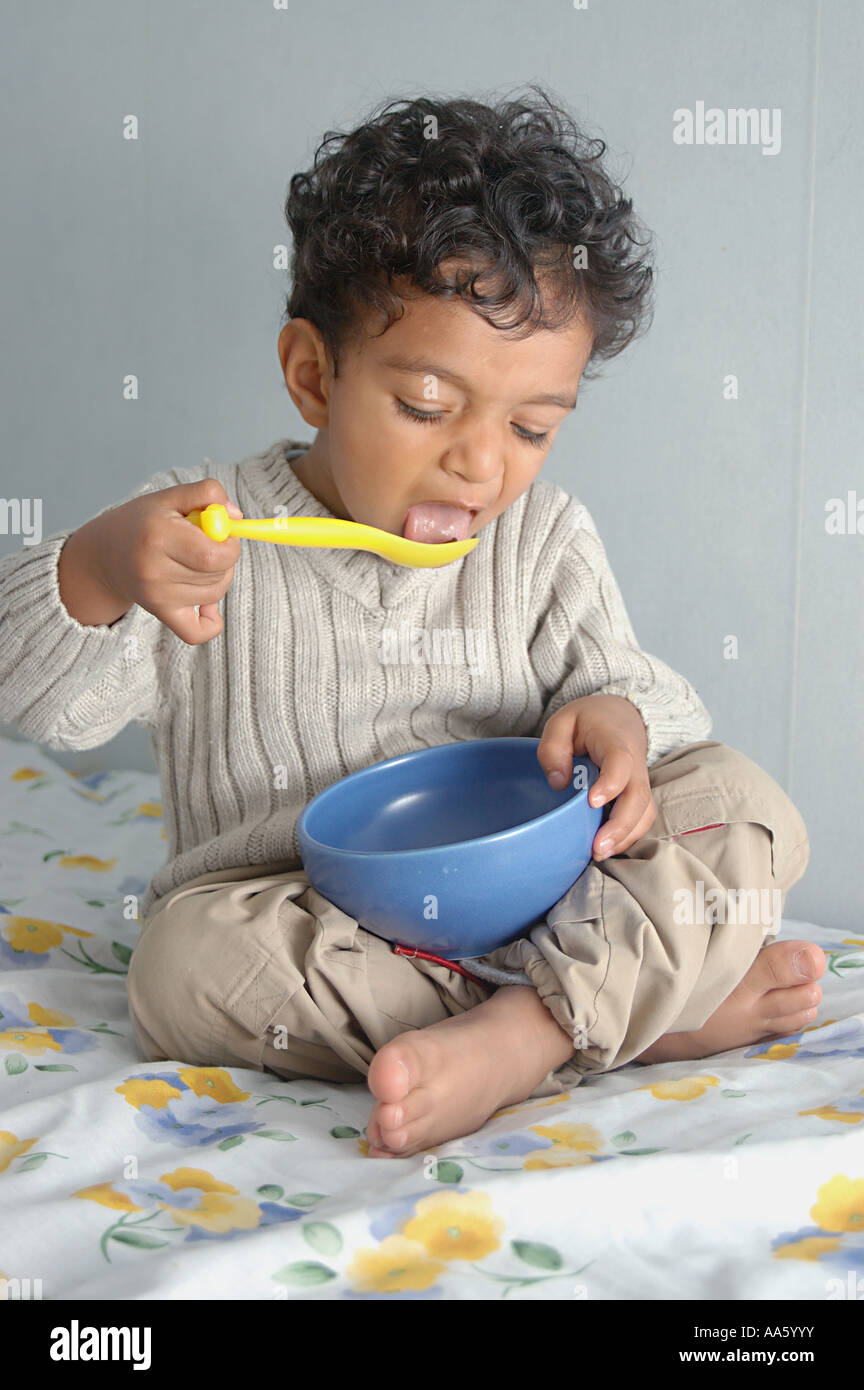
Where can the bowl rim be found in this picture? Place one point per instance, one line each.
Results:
(497, 837)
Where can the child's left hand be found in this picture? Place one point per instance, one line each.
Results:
(610, 730)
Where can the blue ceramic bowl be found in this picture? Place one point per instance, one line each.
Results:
(455, 849)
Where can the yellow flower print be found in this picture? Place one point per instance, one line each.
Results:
(572, 1136)
(685, 1088)
(556, 1158)
(777, 1051)
(105, 1195)
(219, 1213)
(396, 1264)
(146, 1092)
(86, 861)
(220, 1210)
(195, 1177)
(363, 1146)
(572, 1145)
(830, 1112)
(455, 1225)
(150, 808)
(32, 934)
(33, 1041)
(50, 1018)
(213, 1082)
(12, 1147)
(24, 774)
(810, 1248)
(839, 1204)
(522, 1107)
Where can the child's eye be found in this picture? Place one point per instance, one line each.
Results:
(538, 439)
(429, 417)
(417, 414)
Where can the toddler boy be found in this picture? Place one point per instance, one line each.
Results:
(457, 270)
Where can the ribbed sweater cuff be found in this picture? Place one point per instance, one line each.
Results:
(45, 649)
(667, 725)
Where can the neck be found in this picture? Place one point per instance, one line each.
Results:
(313, 470)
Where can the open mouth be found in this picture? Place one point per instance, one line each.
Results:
(435, 523)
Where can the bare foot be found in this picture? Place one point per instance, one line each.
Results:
(443, 1082)
(774, 998)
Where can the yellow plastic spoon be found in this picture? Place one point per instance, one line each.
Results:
(329, 532)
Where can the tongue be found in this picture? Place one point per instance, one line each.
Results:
(434, 522)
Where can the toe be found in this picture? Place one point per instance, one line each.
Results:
(390, 1116)
(778, 1004)
(389, 1077)
(792, 1023)
(784, 964)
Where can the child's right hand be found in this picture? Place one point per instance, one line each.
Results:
(146, 552)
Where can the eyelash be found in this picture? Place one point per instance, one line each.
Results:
(430, 418)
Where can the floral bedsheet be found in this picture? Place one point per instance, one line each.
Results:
(737, 1177)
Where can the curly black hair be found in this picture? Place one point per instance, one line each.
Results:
(509, 189)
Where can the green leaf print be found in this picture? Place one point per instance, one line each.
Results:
(269, 1192)
(304, 1199)
(34, 1161)
(626, 1137)
(140, 1239)
(446, 1171)
(534, 1253)
(231, 1142)
(15, 1063)
(121, 952)
(282, 1135)
(323, 1237)
(54, 1066)
(345, 1132)
(304, 1272)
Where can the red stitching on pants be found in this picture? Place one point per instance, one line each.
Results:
(439, 960)
(718, 826)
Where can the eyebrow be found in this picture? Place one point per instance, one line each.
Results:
(421, 368)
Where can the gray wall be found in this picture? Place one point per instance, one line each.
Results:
(155, 257)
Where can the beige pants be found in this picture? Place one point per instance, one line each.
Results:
(252, 967)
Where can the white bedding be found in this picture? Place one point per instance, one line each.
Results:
(737, 1177)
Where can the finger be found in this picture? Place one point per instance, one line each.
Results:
(194, 628)
(193, 549)
(555, 750)
(178, 571)
(615, 773)
(641, 828)
(632, 816)
(189, 497)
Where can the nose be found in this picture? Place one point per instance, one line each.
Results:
(476, 456)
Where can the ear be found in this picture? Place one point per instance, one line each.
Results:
(307, 370)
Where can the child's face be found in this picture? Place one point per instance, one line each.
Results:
(370, 461)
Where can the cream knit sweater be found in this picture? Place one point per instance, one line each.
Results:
(330, 660)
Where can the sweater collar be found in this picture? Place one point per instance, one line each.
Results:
(372, 580)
